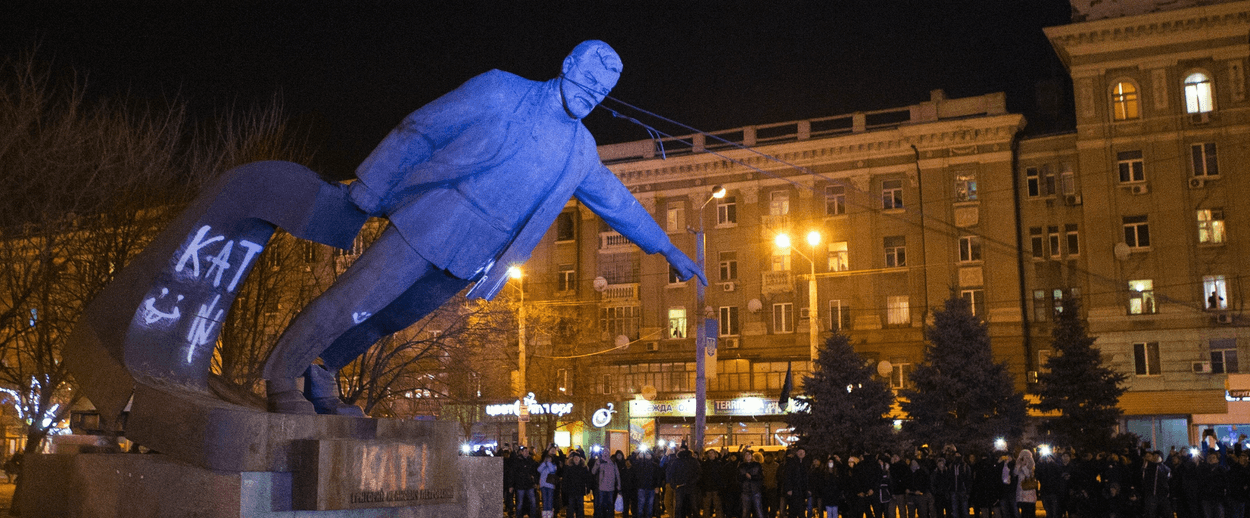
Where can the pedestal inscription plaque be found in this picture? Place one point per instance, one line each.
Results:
(353, 474)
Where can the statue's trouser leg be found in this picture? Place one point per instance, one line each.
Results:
(385, 272)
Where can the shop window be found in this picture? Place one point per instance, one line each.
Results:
(1124, 102)
(1198, 96)
(1146, 358)
(1141, 297)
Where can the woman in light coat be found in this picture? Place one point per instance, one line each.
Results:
(1026, 499)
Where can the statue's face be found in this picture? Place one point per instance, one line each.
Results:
(584, 83)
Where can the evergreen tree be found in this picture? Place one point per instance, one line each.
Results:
(847, 408)
(1076, 383)
(959, 395)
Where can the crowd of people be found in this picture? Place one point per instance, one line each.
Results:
(1207, 482)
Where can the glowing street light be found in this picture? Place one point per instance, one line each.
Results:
(523, 413)
(813, 310)
(700, 341)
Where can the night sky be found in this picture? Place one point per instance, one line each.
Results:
(349, 71)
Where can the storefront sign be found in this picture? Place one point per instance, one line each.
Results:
(531, 405)
(743, 406)
(603, 416)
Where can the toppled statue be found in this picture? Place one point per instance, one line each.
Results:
(470, 183)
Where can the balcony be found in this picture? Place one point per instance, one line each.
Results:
(777, 282)
(620, 292)
(613, 241)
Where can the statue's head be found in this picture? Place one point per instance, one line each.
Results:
(588, 74)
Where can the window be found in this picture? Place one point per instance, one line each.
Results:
(1131, 165)
(676, 323)
(898, 311)
(728, 265)
(1056, 302)
(728, 321)
(892, 194)
(895, 251)
(1033, 178)
(1074, 242)
(1141, 298)
(309, 252)
(970, 248)
(1211, 226)
(838, 257)
(1041, 310)
(620, 321)
(1067, 181)
(1198, 98)
(835, 200)
(562, 381)
(976, 301)
(779, 203)
(900, 374)
(1043, 360)
(606, 387)
(1036, 242)
(1204, 159)
(840, 315)
(1215, 287)
(1124, 103)
(783, 318)
(567, 278)
(564, 227)
(674, 277)
(781, 260)
(1136, 232)
(1146, 358)
(1224, 356)
(1053, 238)
(966, 187)
(676, 216)
(727, 211)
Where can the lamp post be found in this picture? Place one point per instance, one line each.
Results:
(813, 239)
(700, 341)
(523, 411)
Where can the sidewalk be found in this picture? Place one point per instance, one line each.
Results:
(6, 497)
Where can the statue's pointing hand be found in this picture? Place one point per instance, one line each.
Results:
(686, 268)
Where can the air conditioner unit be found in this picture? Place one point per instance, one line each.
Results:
(1224, 318)
(728, 286)
(1072, 200)
(1140, 188)
(1032, 376)
(730, 343)
(653, 346)
(1200, 118)
(1197, 183)
(1202, 367)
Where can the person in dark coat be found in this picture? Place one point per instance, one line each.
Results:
(576, 484)
(984, 493)
(646, 481)
(919, 489)
(1155, 487)
(797, 489)
(829, 488)
(711, 483)
(1213, 480)
(683, 474)
(751, 481)
(1239, 483)
(525, 483)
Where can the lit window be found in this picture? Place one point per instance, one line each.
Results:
(1224, 356)
(781, 260)
(898, 311)
(838, 257)
(564, 227)
(1132, 167)
(892, 194)
(1041, 310)
(966, 187)
(1056, 301)
(1141, 297)
(779, 203)
(895, 251)
(676, 217)
(1215, 287)
(567, 278)
(835, 200)
(1074, 242)
(1136, 232)
(1211, 226)
(729, 321)
(676, 322)
(1146, 358)
(1204, 159)
(840, 314)
(1198, 98)
(976, 301)
(1053, 238)
(970, 248)
(1124, 103)
(727, 211)
(783, 318)
(728, 265)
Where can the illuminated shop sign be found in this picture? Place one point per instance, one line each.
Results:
(743, 406)
(534, 407)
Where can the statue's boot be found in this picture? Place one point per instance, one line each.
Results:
(282, 397)
(321, 388)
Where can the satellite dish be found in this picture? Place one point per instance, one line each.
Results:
(600, 284)
(754, 305)
(622, 341)
(648, 392)
(885, 368)
(1121, 251)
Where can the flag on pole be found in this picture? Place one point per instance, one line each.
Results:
(786, 387)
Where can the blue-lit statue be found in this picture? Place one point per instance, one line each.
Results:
(470, 183)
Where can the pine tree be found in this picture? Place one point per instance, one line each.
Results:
(847, 408)
(1076, 383)
(959, 395)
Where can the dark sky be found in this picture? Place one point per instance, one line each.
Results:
(350, 71)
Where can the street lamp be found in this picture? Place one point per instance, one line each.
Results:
(523, 411)
(700, 341)
(813, 239)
